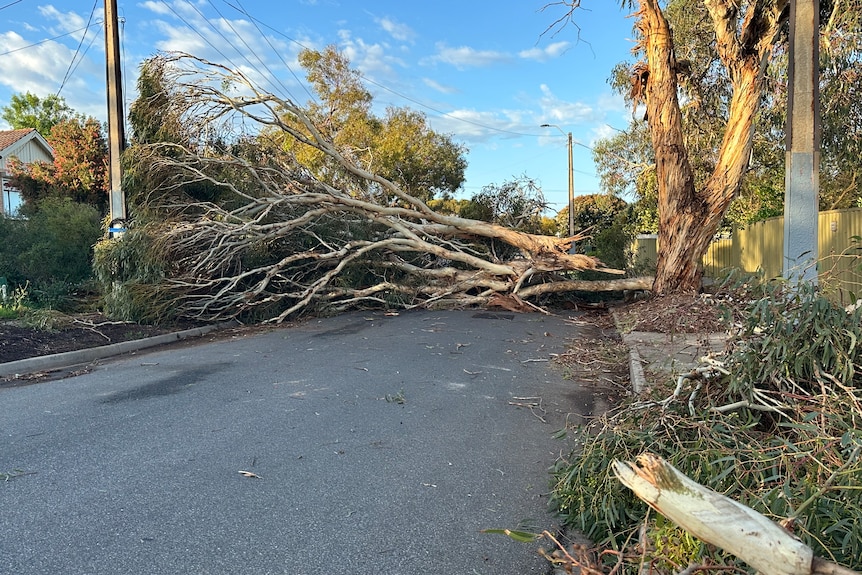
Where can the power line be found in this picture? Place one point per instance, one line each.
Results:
(196, 31)
(253, 20)
(78, 49)
(40, 42)
(9, 4)
(392, 91)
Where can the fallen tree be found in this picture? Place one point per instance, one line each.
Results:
(235, 226)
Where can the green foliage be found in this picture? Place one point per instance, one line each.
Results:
(60, 237)
(407, 151)
(51, 251)
(152, 119)
(400, 146)
(79, 171)
(796, 459)
(129, 272)
(30, 111)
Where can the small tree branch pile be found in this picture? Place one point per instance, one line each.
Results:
(774, 425)
(244, 230)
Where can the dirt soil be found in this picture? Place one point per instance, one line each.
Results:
(698, 314)
(56, 333)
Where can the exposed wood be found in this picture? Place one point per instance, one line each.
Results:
(719, 520)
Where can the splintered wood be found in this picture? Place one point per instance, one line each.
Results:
(719, 520)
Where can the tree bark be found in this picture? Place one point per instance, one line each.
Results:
(688, 217)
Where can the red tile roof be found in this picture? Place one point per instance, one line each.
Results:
(9, 137)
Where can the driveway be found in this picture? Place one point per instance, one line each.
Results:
(373, 444)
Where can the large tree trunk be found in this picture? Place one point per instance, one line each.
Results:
(681, 211)
(688, 217)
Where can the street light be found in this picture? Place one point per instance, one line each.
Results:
(571, 179)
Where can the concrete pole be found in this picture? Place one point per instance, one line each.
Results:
(802, 185)
(116, 132)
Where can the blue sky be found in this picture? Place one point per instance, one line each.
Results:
(487, 72)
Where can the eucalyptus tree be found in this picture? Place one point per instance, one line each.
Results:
(727, 72)
(400, 145)
(690, 210)
(248, 204)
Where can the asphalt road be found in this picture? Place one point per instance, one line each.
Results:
(379, 445)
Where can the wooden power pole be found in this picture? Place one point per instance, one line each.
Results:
(116, 132)
(802, 185)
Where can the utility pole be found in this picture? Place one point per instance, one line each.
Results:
(802, 184)
(571, 178)
(116, 132)
(571, 189)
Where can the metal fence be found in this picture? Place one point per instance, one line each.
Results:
(759, 247)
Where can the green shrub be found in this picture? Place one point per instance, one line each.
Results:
(797, 457)
(51, 250)
(58, 242)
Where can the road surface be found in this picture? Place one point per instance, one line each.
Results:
(372, 444)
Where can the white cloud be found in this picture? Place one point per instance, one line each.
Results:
(156, 7)
(557, 111)
(475, 126)
(373, 60)
(434, 85)
(544, 54)
(465, 57)
(66, 21)
(399, 31)
(39, 69)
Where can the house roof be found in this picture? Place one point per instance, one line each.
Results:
(12, 139)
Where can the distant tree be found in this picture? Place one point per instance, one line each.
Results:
(517, 203)
(79, 170)
(400, 146)
(30, 111)
(593, 212)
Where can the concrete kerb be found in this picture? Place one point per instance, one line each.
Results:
(15, 369)
(636, 370)
(666, 353)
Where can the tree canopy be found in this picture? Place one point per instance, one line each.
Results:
(626, 162)
(691, 203)
(399, 146)
(30, 111)
(79, 170)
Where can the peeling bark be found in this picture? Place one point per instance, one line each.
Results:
(688, 217)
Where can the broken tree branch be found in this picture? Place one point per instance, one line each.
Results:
(719, 520)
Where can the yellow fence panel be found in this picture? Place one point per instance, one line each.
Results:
(759, 248)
